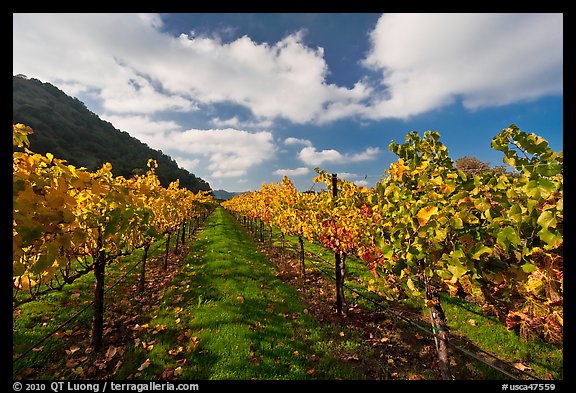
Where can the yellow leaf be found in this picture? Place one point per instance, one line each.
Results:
(425, 213)
(411, 285)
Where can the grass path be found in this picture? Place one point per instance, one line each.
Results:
(227, 311)
(227, 316)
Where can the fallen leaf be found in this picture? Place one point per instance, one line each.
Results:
(311, 372)
(72, 349)
(144, 365)
(117, 367)
(178, 371)
(111, 352)
(520, 366)
(78, 370)
(72, 363)
(473, 322)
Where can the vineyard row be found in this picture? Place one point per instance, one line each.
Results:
(429, 228)
(68, 221)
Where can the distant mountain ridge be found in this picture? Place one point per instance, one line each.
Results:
(65, 127)
(225, 195)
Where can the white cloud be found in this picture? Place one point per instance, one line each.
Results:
(313, 157)
(430, 60)
(362, 183)
(346, 175)
(297, 141)
(424, 62)
(230, 152)
(234, 121)
(292, 172)
(142, 127)
(231, 122)
(134, 67)
(187, 163)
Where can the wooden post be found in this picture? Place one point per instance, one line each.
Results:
(143, 269)
(98, 308)
(302, 266)
(439, 328)
(339, 258)
(166, 255)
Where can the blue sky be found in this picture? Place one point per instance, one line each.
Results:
(243, 99)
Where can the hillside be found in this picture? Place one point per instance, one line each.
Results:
(65, 127)
(225, 195)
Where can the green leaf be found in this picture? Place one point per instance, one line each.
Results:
(457, 271)
(444, 274)
(18, 269)
(42, 264)
(546, 187)
(508, 235)
(553, 240)
(547, 219)
(481, 251)
(529, 268)
(29, 234)
(515, 213)
(456, 222)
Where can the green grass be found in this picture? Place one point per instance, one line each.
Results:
(35, 320)
(487, 332)
(545, 361)
(227, 316)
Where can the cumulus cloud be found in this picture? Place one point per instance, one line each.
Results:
(297, 141)
(143, 127)
(430, 60)
(188, 163)
(313, 157)
(346, 175)
(292, 172)
(134, 66)
(423, 62)
(362, 183)
(230, 152)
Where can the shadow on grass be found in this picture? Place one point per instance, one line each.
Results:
(227, 316)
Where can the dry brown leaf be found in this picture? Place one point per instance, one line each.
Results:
(72, 363)
(144, 365)
(117, 367)
(73, 348)
(520, 366)
(111, 352)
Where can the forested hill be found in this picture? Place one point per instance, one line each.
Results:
(64, 127)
